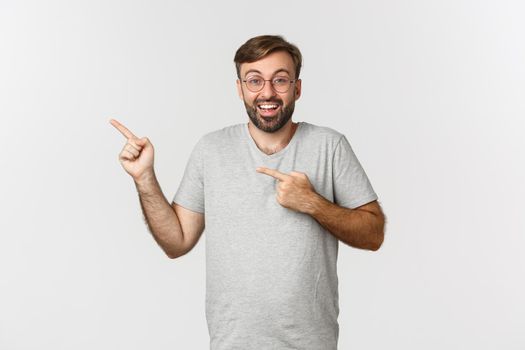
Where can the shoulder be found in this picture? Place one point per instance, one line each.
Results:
(219, 139)
(322, 134)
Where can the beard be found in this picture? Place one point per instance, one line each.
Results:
(272, 124)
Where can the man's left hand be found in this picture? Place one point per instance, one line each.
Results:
(294, 190)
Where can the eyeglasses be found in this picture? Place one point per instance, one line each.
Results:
(279, 84)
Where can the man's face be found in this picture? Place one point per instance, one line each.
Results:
(276, 64)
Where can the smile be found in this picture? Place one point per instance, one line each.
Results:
(268, 109)
(268, 106)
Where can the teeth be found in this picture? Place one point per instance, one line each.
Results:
(268, 106)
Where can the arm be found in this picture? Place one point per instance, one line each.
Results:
(174, 228)
(362, 227)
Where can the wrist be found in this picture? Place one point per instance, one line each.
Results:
(315, 204)
(145, 178)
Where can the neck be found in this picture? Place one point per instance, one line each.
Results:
(271, 143)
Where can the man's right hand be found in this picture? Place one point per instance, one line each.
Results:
(137, 155)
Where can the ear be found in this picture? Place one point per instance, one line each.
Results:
(239, 89)
(297, 89)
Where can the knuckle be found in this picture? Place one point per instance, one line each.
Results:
(129, 155)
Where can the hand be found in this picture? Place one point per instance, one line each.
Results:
(294, 191)
(137, 155)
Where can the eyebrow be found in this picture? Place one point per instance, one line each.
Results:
(277, 71)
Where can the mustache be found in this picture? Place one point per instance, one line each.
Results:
(273, 100)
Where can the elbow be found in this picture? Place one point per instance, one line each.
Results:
(378, 242)
(174, 250)
(379, 235)
(378, 238)
(173, 253)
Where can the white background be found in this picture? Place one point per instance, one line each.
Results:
(429, 93)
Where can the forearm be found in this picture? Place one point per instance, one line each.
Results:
(357, 228)
(160, 217)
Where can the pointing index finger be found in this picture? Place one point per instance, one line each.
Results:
(272, 172)
(123, 130)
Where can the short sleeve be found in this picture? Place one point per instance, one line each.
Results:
(190, 193)
(352, 187)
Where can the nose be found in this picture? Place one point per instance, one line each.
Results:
(267, 90)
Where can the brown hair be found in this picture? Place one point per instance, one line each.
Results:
(260, 46)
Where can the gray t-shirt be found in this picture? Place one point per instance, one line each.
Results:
(271, 272)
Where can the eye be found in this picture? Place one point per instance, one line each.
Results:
(254, 81)
(281, 80)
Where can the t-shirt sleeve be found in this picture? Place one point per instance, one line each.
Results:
(190, 193)
(352, 187)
